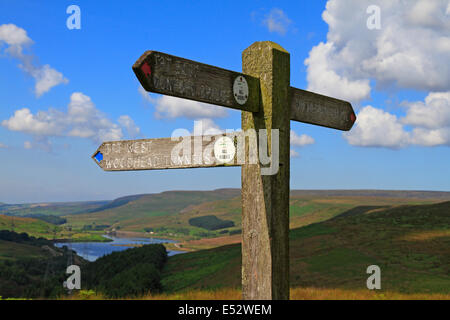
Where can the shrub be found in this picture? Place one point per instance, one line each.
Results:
(210, 222)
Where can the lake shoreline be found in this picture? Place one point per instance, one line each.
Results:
(91, 250)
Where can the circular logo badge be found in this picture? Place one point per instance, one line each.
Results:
(224, 150)
(240, 90)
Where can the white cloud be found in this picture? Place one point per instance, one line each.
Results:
(82, 120)
(17, 39)
(128, 123)
(324, 80)
(431, 138)
(301, 140)
(171, 107)
(3, 146)
(40, 124)
(433, 113)
(14, 36)
(377, 128)
(277, 21)
(46, 78)
(430, 122)
(430, 119)
(206, 127)
(411, 50)
(145, 95)
(294, 154)
(39, 142)
(168, 107)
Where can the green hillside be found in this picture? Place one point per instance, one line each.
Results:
(168, 213)
(41, 229)
(153, 210)
(53, 208)
(13, 251)
(409, 243)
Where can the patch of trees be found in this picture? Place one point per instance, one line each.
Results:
(238, 231)
(210, 222)
(127, 273)
(23, 238)
(99, 227)
(48, 218)
(33, 277)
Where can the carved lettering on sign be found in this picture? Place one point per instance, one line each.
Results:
(188, 79)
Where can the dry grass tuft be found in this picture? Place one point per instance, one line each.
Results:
(296, 294)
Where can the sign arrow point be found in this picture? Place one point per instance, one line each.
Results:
(98, 157)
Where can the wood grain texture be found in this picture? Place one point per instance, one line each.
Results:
(265, 198)
(160, 153)
(321, 110)
(174, 76)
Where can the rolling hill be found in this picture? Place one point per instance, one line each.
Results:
(409, 242)
(52, 208)
(41, 229)
(168, 213)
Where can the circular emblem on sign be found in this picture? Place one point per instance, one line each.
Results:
(240, 90)
(224, 150)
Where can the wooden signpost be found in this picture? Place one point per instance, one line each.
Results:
(263, 93)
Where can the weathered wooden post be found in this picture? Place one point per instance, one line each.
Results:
(265, 198)
(267, 101)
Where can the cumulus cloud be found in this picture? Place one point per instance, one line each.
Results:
(14, 36)
(377, 128)
(410, 51)
(17, 40)
(206, 127)
(277, 21)
(324, 80)
(433, 113)
(171, 107)
(82, 120)
(429, 119)
(145, 95)
(168, 107)
(300, 141)
(294, 154)
(132, 129)
(353, 55)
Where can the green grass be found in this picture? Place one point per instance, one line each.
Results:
(13, 251)
(41, 229)
(52, 208)
(199, 269)
(310, 231)
(409, 243)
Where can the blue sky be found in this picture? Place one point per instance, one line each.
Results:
(401, 139)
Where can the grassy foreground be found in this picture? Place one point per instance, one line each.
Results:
(296, 294)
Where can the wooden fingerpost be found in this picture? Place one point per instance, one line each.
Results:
(265, 198)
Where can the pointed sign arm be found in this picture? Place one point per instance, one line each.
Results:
(178, 77)
(166, 153)
(313, 108)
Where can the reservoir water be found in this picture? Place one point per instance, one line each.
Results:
(93, 250)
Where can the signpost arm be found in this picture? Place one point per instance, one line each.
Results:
(265, 198)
